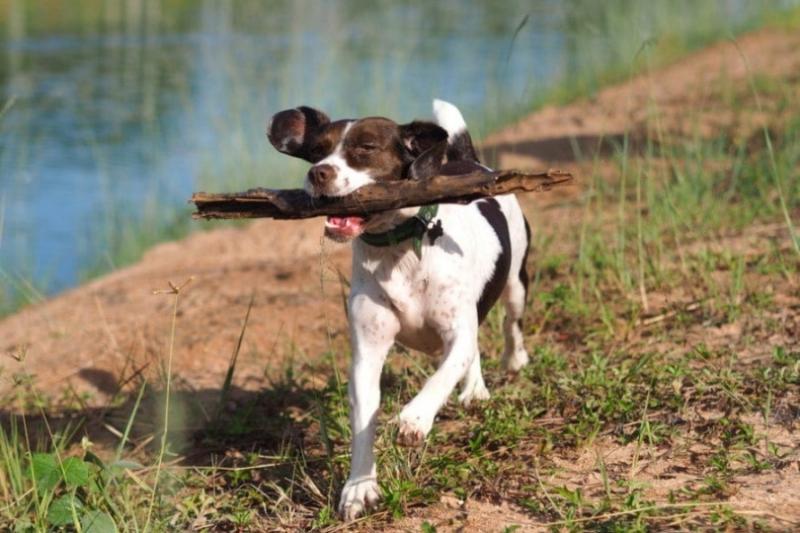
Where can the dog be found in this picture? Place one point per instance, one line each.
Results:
(422, 277)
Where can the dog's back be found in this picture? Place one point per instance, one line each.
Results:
(513, 232)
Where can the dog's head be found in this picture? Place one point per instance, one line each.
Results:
(348, 154)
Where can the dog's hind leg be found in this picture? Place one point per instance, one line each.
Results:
(514, 356)
(514, 297)
(472, 386)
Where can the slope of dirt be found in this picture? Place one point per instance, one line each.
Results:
(101, 333)
(557, 136)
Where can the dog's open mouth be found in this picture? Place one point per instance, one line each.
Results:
(344, 228)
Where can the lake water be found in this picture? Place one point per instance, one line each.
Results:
(116, 110)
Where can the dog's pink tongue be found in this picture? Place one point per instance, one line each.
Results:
(344, 222)
(345, 227)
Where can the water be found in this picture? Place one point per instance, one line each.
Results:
(119, 109)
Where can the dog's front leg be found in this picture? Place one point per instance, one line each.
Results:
(460, 347)
(373, 328)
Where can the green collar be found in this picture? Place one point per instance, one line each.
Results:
(413, 228)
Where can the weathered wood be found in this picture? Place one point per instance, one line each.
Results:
(296, 203)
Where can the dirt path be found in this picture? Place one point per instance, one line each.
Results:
(98, 334)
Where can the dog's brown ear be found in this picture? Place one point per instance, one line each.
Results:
(291, 130)
(419, 136)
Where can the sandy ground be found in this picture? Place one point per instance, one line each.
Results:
(98, 334)
(95, 337)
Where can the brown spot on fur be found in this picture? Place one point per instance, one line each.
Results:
(375, 144)
(325, 140)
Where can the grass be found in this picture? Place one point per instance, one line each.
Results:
(679, 239)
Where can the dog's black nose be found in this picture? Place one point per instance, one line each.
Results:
(320, 175)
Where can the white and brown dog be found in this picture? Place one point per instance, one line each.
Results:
(423, 277)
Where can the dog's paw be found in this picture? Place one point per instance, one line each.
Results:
(358, 496)
(410, 431)
(409, 435)
(514, 361)
(473, 393)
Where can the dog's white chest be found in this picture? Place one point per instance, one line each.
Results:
(404, 283)
(405, 286)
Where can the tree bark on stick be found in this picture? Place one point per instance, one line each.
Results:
(382, 196)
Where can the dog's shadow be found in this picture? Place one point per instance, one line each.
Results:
(291, 425)
(446, 243)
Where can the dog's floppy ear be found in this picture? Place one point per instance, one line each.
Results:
(290, 130)
(428, 163)
(426, 143)
(419, 136)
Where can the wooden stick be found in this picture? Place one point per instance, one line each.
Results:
(383, 196)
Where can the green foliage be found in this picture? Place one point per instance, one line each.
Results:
(399, 493)
(74, 488)
(427, 527)
(98, 522)
(63, 510)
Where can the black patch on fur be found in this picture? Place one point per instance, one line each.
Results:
(419, 136)
(428, 164)
(460, 148)
(454, 168)
(490, 210)
(435, 231)
(523, 270)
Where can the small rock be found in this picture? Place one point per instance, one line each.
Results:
(451, 501)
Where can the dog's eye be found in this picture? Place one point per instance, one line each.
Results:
(368, 147)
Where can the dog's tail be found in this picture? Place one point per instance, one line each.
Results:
(459, 143)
